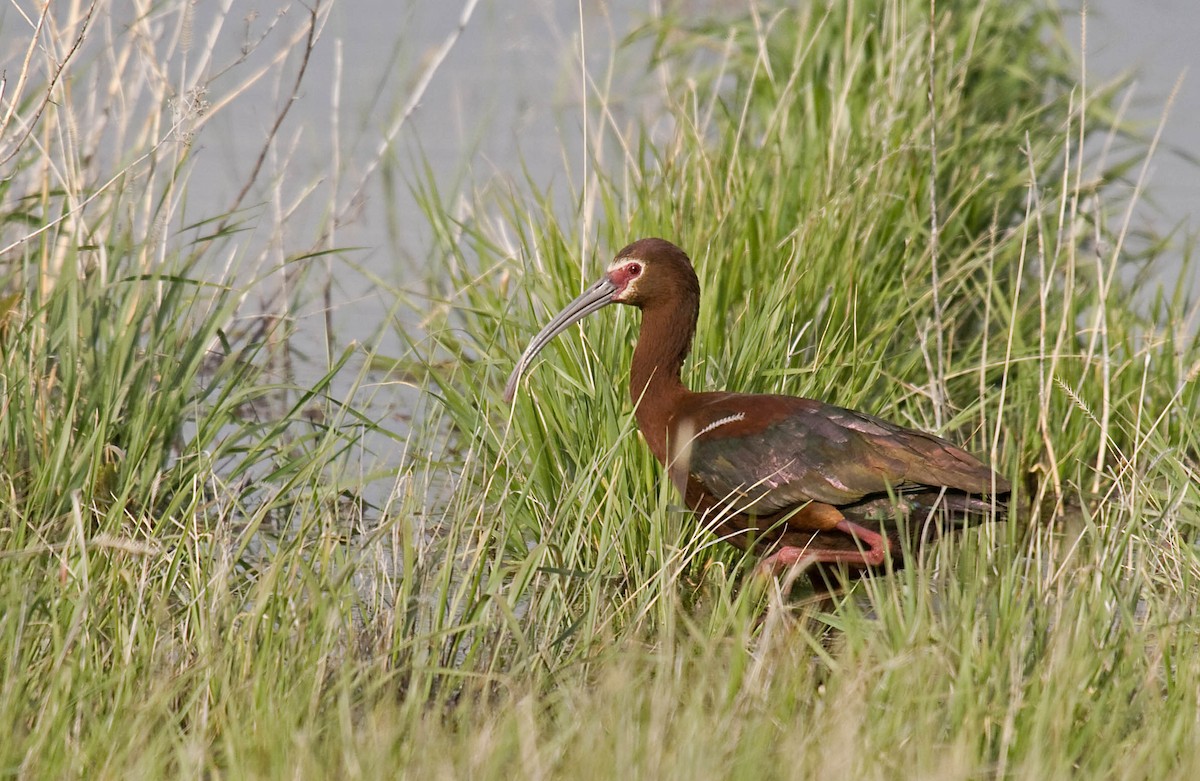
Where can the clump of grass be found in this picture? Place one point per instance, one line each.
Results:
(169, 504)
(804, 195)
(943, 259)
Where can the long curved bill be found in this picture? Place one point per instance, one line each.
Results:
(598, 296)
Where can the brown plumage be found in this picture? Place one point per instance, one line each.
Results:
(804, 480)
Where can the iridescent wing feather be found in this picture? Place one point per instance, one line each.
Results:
(776, 452)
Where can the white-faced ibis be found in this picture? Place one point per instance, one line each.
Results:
(800, 478)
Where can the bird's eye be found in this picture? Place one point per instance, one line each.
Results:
(634, 269)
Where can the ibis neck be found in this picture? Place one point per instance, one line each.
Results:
(655, 385)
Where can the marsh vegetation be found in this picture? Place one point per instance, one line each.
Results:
(209, 568)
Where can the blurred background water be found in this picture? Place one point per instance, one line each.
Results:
(503, 108)
(489, 94)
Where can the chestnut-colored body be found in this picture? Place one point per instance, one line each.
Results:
(803, 480)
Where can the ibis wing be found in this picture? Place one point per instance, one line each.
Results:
(796, 450)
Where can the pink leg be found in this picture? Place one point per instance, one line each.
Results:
(789, 555)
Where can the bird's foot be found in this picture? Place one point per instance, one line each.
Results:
(877, 551)
(783, 560)
(791, 558)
